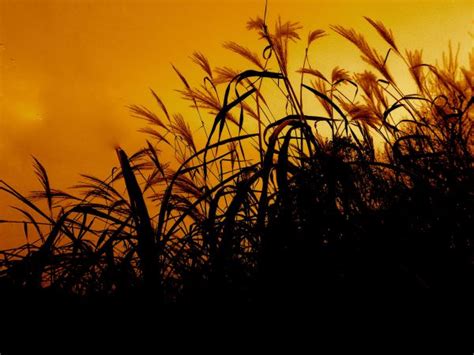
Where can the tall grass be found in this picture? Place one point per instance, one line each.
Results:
(375, 191)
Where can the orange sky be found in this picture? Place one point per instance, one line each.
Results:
(69, 68)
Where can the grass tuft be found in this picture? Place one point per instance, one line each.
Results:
(367, 188)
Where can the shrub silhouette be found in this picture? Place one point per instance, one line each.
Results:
(375, 194)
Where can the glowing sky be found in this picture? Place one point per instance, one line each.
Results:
(69, 68)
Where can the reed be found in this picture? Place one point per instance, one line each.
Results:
(276, 209)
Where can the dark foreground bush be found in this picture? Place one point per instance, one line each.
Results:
(375, 194)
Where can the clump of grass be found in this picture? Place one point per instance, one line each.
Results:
(276, 208)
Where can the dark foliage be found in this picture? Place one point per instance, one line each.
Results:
(377, 194)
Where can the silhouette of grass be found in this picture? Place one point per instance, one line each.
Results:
(277, 209)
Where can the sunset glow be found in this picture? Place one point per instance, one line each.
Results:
(76, 65)
(228, 152)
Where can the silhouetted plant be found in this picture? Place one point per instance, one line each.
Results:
(275, 208)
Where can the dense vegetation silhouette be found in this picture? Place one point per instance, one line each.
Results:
(376, 193)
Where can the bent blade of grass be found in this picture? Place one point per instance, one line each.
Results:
(146, 243)
(183, 168)
(42, 175)
(328, 100)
